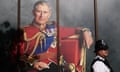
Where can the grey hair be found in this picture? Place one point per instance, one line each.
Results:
(42, 2)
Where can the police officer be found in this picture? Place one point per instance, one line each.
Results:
(100, 63)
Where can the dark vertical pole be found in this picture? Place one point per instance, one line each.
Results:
(57, 12)
(58, 41)
(96, 19)
(18, 26)
(18, 14)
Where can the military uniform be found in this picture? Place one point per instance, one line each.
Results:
(40, 45)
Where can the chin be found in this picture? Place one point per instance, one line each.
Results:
(42, 22)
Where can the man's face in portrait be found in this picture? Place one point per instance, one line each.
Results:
(41, 13)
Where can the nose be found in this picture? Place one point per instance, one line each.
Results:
(41, 14)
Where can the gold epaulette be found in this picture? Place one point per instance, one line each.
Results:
(33, 37)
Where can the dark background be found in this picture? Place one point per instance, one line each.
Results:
(74, 13)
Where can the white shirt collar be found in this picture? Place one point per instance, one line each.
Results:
(99, 57)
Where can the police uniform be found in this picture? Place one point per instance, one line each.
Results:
(40, 46)
(99, 63)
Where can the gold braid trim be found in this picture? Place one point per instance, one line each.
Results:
(27, 47)
(28, 39)
(37, 41)
(39, 37)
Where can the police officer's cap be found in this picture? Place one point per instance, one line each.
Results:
(100, 45)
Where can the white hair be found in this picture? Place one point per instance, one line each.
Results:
(41, 3)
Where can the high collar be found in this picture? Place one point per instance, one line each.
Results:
(38, 26)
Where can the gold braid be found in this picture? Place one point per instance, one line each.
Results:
(39, 37)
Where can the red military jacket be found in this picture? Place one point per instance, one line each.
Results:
(40, 45)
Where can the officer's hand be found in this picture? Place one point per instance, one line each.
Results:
(40, 65)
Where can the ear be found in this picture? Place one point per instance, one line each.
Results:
(33, 12)
(49, 14)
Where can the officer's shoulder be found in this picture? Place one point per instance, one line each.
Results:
(99, 62)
